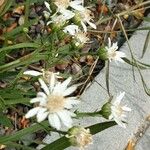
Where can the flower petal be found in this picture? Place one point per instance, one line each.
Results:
(42, 114)
(54, 121)
(32, 112)
(44, 86)
(65, 117)
(69, 90)
(84, 26)
(92, 24)
(34, 100)
(76, 5)
(32, 73)
(52, 82)
(125, 108)
(119, 98)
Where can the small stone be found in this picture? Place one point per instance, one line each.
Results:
(62, 66)
(21, 20)
(76, 69)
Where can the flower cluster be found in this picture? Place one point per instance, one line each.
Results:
(67, 10)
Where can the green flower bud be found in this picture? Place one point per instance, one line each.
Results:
(106, 110)
(103, 54)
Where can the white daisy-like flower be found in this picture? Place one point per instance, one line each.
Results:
(79, 137)
(54, 103)
(112, 53)
(118, 112)
(44, 73)
(85, 17)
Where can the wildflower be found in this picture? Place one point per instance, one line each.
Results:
(44, 73)
(59, 20)
(80, 137)
(118, 111)
(80, 38)
(84, 17)
(54, 103)
(112, 53)
(64, 4)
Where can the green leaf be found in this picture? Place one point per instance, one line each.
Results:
(19, 134)
(63, 142)
(20, 45)
(5, 121)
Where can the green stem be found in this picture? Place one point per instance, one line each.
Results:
(88, 114)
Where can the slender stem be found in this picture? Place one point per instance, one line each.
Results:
(88, 114)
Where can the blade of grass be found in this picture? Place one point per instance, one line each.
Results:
(146, 44)
(20, 45)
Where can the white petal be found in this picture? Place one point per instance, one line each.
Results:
(65, 117)
(111, 117)
(92, 24)
(32, 112)
(32, 73)
(54, 121)
(76, 5)
(41, 115)
(120, 54)
(41, 94)
(67, 14)
(69, 90)
(34, 100)
(125, 108)
(52, 81)
(47, 6)
(109, 42)
(44, 86)
(71, 29)
(84, 26)
(66, 83)
(119, 98)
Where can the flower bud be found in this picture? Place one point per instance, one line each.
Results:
(103, 54)
(106, 110)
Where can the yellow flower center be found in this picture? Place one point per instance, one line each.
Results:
(55, 103)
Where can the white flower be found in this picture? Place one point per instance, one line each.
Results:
(118, 111)
(80, 38)
(62, 5)
(59, 20)
(84, 17)
(54, 104)
(71, 29)
(46, 74)
(80, 137)
(112, 52)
